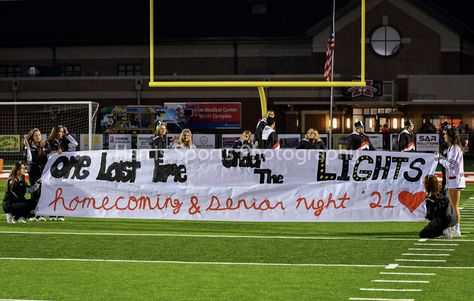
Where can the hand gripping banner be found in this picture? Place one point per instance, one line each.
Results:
(237, 185)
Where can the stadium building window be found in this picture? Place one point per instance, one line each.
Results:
(385, 41)
(10, 71)
(71, 70)
(129, 69)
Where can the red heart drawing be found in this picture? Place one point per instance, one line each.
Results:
(411, 200)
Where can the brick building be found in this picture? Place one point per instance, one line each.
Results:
(419, 59)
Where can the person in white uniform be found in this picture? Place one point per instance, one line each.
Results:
(454, 164)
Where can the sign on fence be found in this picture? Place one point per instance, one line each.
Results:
(376, 140)
(427, 142)
(97, 142)
(120, 141)
(9, 143)
(143, 140)
(237, 185)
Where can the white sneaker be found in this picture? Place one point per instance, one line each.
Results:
(21, 220)
(448, 233)
(52, 219)
(457, 230)
(32, 219)
(61, 219)
(41, 219)
(10, 219)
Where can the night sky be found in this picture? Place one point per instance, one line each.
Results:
(56, 23)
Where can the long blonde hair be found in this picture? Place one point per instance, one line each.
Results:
(182, 143)
(31, 140)
(246, 132)
(157, 129)
(316, 134)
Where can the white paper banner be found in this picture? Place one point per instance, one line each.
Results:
(238, 185)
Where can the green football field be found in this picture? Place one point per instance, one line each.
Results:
(117, 259)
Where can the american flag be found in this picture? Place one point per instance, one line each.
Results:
(329, 52)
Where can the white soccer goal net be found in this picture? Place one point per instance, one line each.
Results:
(18, 118)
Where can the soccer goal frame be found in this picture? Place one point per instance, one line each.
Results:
(91, 111)
(260, 85)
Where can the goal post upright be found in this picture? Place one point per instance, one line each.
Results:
(90, 124)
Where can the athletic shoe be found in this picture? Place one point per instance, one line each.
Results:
(41, 219)
(21, 220)
(10, 219)
(32, 219)
(61, 219)
(52, 219)
(448, 233)
(457, 230)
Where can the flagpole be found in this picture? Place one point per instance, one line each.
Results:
(331, 101)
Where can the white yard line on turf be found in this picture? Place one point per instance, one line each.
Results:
(380, 299)
(21, 300)
(429, 249)
(409, 274)
(399, 281)
(391, 289)
(419, 254)
(421, 267)
(436, 244)
(196, 262)
(421, 260)
(215, 236)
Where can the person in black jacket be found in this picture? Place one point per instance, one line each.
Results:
(358, 140)
(245, 141)
(269, 136)
(159, 139)
(439, 211)
(443, 150)
(36, 154)
(406, 138)
(60, 141)
(312, 140)
(15, 205)
(262, 123)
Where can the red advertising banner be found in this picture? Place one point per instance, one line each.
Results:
(208, 115)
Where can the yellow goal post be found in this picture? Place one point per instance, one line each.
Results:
(260, 85)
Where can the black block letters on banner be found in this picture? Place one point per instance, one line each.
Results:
(63, 165)
(122, 171)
